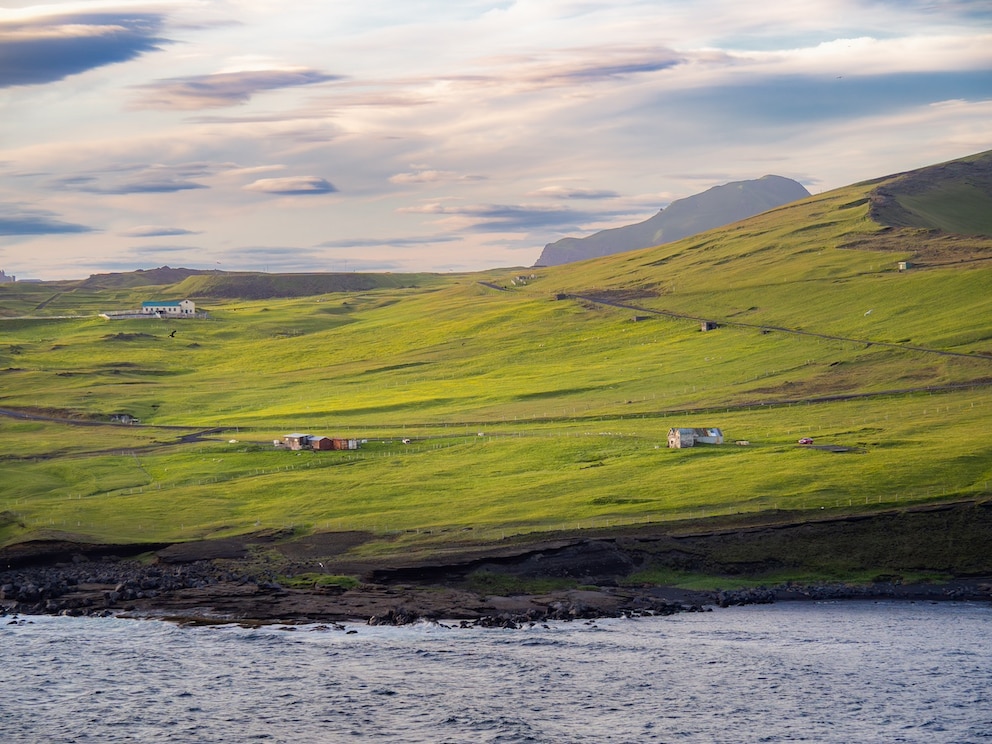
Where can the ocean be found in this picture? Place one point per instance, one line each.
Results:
(853, 671)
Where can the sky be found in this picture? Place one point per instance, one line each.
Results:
(431, 135)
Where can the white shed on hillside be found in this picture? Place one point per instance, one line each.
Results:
(684, 437)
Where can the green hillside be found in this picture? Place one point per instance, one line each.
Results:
(953, 197)
(533, 399)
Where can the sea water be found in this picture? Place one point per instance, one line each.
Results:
(818, 672)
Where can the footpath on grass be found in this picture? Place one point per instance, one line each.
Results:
(764, 328)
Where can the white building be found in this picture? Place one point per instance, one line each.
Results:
(169, 308)
(684, 437)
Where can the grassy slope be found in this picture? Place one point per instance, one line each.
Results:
(573, 400)
(954, 197)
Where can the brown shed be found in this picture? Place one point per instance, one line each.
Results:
(321, 443)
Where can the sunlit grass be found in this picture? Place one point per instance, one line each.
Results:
(528, 410)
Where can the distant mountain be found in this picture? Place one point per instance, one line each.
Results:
(716, 207)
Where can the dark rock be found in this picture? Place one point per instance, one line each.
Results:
(399, 616)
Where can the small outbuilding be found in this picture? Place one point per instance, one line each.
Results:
(685, 437)
(321, 443)
(297, 441)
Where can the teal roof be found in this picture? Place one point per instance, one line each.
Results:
(162, 303)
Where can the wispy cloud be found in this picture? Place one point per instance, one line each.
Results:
(429, 175)
(18, 220)
(292, 186)
(408, 242)
(224, 88)
(506, 217)
(155, 231)
(150, 185)
(571, 192)
(52, 47)
(159, 250)
(137, 178)
(790, 100)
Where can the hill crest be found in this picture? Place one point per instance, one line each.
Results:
(953, 197)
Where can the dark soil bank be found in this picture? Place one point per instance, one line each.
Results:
(275, 577)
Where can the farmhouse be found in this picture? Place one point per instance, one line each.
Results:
(682, 437)
(169, 308)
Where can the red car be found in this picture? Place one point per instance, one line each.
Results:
(805, 440)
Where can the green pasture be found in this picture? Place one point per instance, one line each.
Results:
(514, 478)
(527, 408)
(464, 353)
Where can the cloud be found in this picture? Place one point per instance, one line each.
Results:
(139, 178)
(789, 99)
(388, 242)
(155, 231)
(147, 185)
(49, 48)
(506, 218)
(609, 71)
(569, 192)
(428, 175)
(572, 67)
(15, 220)
(155, 250)
(292, 186)
(224, 88)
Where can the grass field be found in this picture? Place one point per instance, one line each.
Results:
(527, 409)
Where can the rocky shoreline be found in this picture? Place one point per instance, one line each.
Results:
(330, 577)
(202, 591)
(209, 591)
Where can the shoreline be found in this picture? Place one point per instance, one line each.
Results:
(283, 576)
(204, 592)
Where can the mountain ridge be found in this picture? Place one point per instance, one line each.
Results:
(715, 207)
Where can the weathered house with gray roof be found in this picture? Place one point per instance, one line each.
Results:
(686, 437)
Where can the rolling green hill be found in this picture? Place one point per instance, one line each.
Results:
(532, 399)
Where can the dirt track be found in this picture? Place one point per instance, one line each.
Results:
(778, 329)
